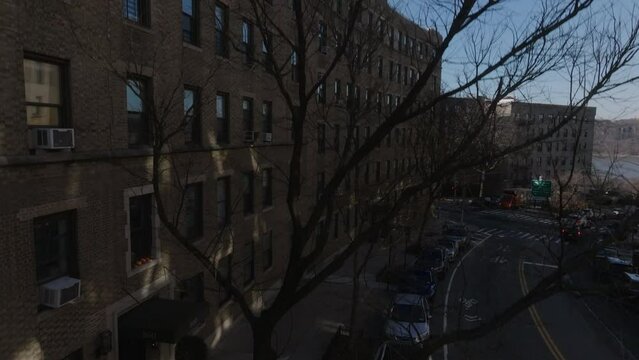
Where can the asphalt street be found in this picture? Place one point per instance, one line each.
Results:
(512, 251)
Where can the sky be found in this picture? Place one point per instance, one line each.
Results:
(623, 103)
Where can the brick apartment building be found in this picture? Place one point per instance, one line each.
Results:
(77, 207)
(554, 154)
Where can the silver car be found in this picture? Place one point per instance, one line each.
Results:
(407, 321)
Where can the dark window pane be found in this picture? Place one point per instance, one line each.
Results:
(223, 201)
(267, 248)
(136, 93)
(267, 187)
(221, 109)
(221, 26)
(248, 194)
(193, 211)
(54, 246)
(249, 263)
(141, 229)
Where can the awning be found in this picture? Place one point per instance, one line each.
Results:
(162, 320)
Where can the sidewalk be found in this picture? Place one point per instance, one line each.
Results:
(306, 331)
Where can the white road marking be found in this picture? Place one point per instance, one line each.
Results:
(450, 283)
(540, 264)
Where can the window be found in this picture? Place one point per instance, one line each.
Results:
(321, 89)
(320, 184)
(356, 136)
(266, 50)
(321, 138)
(378, 171)
(222, 115)
(141, 229)
(247, 41)
(321, 37)
(388, 169)
(400, 41)
(55, 246)
(193, 211)
(267, 250)
(248, 192)
(136, 11)
(336, 226)
(337, 138)
(224, 266)
(337, 89)
(247, 113)
(267, 117)
(190, 19)
(191, 115)
(367, 174)
(380, 67)
(391, 37)
(267, 187)
(221, 30)
(223, 201)
(138, 122)
(399, 73)
(249, 263)
(44, 93)
(347, 220)
(396, 165)
(391, 66)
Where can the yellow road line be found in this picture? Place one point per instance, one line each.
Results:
(552, 347)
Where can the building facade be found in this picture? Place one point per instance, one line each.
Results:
(552, 156)
(87, 264)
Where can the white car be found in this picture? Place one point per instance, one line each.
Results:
(407, 321)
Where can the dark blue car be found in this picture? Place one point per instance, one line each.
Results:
(418, 282)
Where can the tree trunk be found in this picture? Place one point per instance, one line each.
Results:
(262, 346)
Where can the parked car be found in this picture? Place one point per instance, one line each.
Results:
(625, 282)
(408, 319)
(459, 234)
(450, 249)
(432, 259)
(571, 233)
(418, 282)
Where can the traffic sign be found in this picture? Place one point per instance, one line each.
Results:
(542, 188)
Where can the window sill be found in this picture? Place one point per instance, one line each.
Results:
(194, 47)
(145, 28)
(267, 208)
(141, 268)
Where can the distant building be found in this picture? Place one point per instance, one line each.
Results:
(554, 154)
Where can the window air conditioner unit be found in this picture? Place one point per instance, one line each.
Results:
(59, 292)
(268, 137)
(250, 136)
(53, 138)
